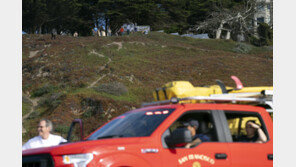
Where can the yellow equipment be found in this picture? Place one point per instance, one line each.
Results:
(183, 89)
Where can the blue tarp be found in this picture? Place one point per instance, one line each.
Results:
(175, 33)
(199, 36)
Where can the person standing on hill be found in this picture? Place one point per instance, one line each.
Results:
(128, 29)
(75, 34)
(95, 31)
(121, 30)
(45, 138)
(53, 33)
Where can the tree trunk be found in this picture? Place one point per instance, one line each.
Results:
(34, 29)
(228, 35)
(40, 29)
(218, 33)
(106, 30)
(255, 26)
(219, 30)
(106, 26)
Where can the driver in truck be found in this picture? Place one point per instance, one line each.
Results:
(192, 126)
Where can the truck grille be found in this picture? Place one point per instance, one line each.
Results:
(41, 160)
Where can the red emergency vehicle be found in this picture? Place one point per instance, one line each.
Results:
(144, 137)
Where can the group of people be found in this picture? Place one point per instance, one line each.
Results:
(129, 29)
(101, 31)
(46, 139)
(54, 33)
(253, 130)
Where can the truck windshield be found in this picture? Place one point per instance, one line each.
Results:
(133, 124)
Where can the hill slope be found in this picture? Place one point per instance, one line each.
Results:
(98, 78)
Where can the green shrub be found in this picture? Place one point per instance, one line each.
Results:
(265, 33)
(62, 129)
(87, 114)
(52, 100)
(34, 115)
(26, 105)
(27, 86)
(43, 90)
(179, 28)
(171, 29)
(255, 41)
(242, 48)
(91, 107)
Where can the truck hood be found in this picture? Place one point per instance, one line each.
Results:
(94, 146)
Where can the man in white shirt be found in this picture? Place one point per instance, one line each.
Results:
(45, 139)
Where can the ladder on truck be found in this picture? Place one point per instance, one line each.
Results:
(264, 98)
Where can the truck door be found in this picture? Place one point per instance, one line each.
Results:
(244, 153)
(214, 152)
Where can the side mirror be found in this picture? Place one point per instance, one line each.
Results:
(79, 121)
(179, 136)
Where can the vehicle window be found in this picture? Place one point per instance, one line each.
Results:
(205, 130)
(238, 124)
(133, 124)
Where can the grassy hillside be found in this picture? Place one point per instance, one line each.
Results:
(98, 78)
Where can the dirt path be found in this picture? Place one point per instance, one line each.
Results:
(117, 43)
(109, 61)
(101, 69)
(95, 53)
(135, 42)
(34, 105)
(34, 53)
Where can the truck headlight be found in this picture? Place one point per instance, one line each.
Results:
(78, 160)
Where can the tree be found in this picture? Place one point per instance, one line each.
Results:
(34, 15)
(199, 10)
(237, 20)
(44, 15)
(71, 15)
(145, 12)
(177, 12)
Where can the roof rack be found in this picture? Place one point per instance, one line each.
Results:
(263, 98)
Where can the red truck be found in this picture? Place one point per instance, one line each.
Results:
(144, 137)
